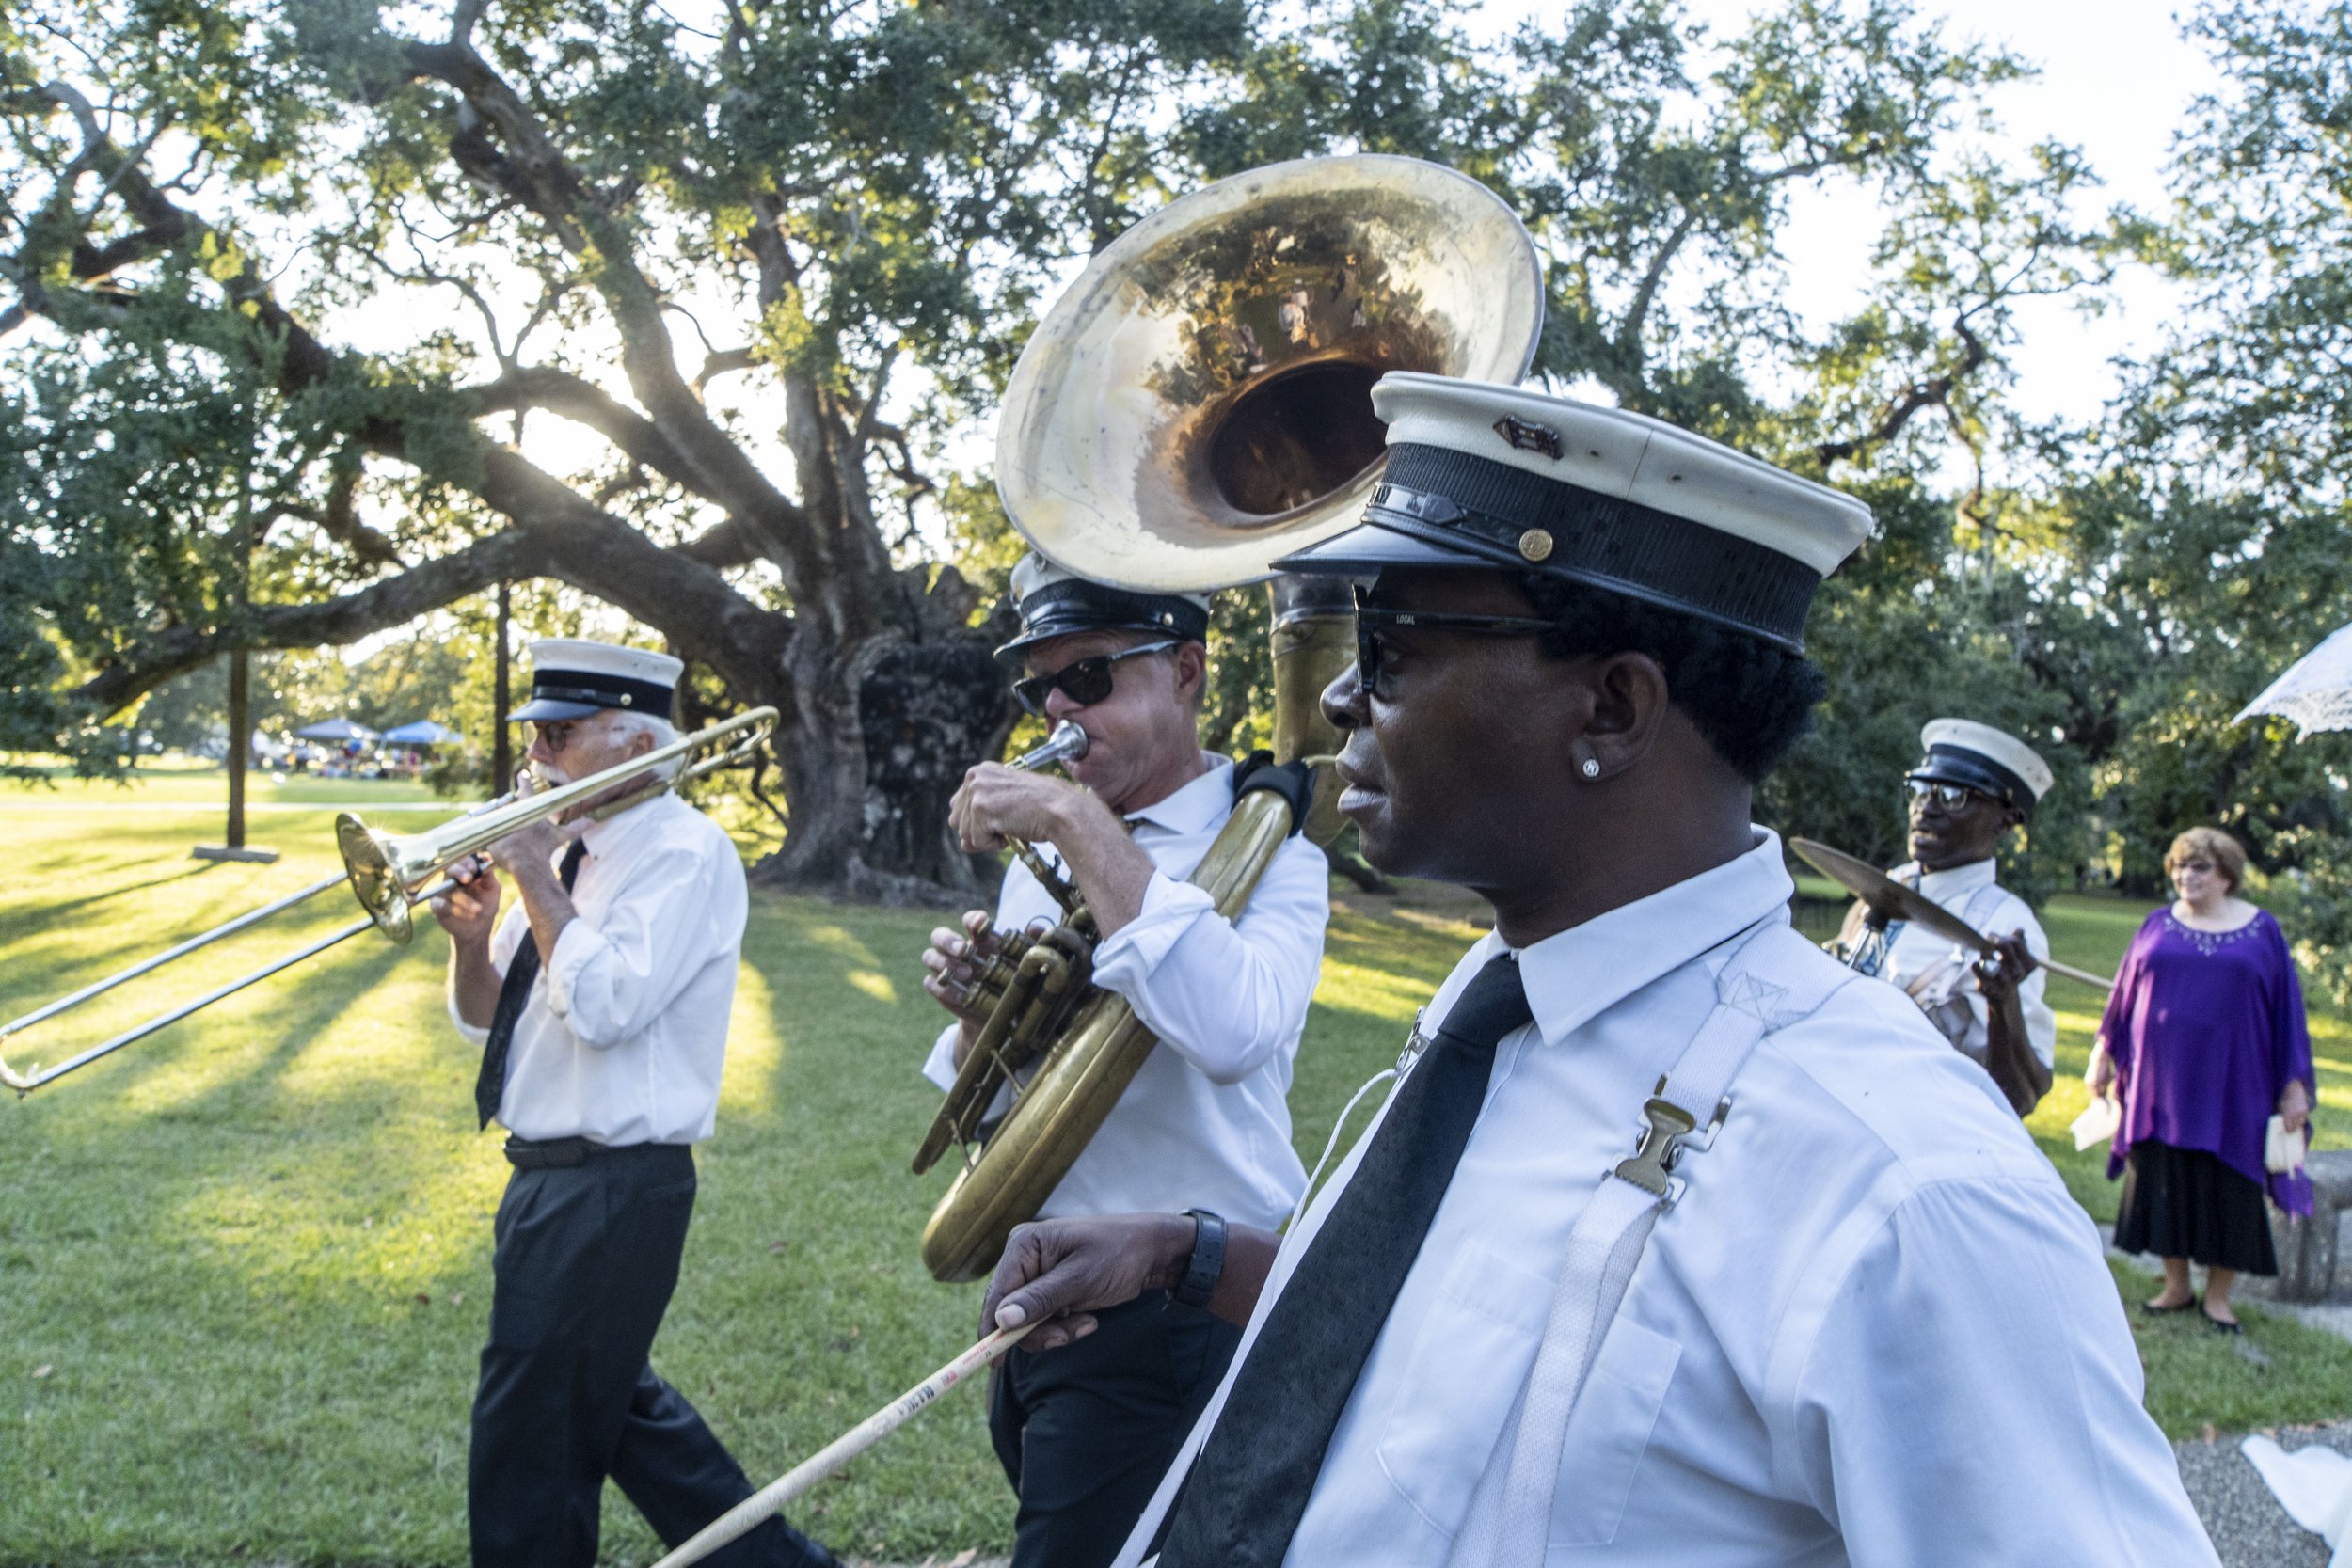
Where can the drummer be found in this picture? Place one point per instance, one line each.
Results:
(1974, 784)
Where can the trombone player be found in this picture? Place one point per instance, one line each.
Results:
(601, 1002)
(1204, 1128)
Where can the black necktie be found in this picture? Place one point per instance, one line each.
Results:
(490, 1087)
(1242, 1503)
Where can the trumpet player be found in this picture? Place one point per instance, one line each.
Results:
(600, 1004)
(1085, 1434)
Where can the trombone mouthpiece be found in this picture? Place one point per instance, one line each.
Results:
(1068, 743)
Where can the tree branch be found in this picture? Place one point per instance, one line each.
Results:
(378, 607)
(534, 169)
(1934, 392)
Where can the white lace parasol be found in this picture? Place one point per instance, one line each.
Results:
(2315, 691)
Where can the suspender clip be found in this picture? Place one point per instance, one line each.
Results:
(1671, 1133)
(1669, 1124)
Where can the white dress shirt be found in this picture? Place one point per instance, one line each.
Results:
(1874, 1329)
(1913, 952)
(1206, 1123)
(626, 1028)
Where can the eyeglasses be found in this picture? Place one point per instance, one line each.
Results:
(1372, 650)
(1952, 797)
(1085, 681)
(557, 732)
(2203, 868)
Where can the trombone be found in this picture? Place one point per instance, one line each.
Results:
(388, 873)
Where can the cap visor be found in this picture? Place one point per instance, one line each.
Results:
(547, 710)
(1366, 550)
(1075, 629)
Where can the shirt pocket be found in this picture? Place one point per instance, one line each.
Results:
(1468, 1364)
(1615, 1414)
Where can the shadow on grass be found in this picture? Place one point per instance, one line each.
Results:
(24, 919)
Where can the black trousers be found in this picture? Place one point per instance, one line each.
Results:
(1085, 1433)
(587, 1257)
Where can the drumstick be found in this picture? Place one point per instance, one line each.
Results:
(771, 1498)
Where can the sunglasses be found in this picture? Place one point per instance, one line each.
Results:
(1952, 797)
(1086, 681)
(1371, 648)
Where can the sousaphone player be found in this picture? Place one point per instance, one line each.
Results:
(1205, 1126)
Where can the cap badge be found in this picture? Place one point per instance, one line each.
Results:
(1535, 544)
(1526, 436)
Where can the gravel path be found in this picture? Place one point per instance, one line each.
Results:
(2249, 1528)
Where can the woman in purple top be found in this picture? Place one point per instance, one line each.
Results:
(2205, 1030)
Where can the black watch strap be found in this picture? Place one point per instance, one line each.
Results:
(1208, 1259)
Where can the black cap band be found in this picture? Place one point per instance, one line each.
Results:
(582, 686)
(1075, 605)
(1488, 509)
(1957, 765)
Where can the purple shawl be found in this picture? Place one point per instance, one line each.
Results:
(2207, 1030)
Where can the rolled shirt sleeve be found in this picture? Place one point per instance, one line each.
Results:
(1921, 1459)
(1224, 994)
(609, 980)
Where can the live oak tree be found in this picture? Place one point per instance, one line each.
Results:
(245, 239)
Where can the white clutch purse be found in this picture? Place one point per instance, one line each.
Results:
(2282, 1150)
(2098, 1122)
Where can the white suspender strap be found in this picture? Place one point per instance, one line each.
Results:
(1510, 1514)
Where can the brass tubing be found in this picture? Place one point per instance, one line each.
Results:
(146, 966)
(25, 1083)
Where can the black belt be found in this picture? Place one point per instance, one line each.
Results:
(548, 1153)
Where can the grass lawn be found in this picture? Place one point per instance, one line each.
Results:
(244, 1266)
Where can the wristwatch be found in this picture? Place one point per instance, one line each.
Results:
(1207, 1264)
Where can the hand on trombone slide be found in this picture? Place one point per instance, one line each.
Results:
(469, 910)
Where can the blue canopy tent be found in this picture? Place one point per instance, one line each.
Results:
(423, 731)
(337, 730)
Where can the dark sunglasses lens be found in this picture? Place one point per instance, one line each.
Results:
(1086, 682)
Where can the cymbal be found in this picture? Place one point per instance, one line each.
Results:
(1889, 900)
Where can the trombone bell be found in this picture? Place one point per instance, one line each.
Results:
(383, 892)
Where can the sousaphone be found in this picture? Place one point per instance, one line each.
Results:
(1197, 405)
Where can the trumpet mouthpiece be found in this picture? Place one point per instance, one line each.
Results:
(1068, 743)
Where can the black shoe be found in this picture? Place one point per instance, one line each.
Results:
(2154, 1312)
(2220, 1327)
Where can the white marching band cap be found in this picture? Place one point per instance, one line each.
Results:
(572, 678)
(1962, 752)
(1484, 474)
(1057, 602)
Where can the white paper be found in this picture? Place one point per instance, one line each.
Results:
(2314, 1485)
(2098, 1122)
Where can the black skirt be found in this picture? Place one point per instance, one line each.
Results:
(2185, 1203)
